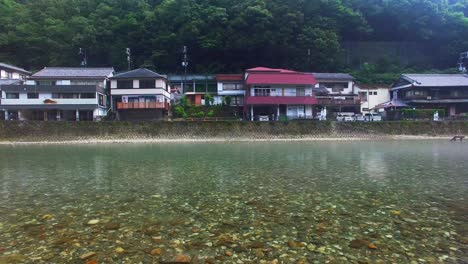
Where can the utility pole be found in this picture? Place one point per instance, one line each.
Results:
(84, 58)
(185, 65)
(129, 61)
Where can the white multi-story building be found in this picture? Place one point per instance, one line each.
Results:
(58, 93)
(140, 94)
(371, 96)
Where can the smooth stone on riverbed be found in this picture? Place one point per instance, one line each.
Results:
(93, 222)
(183, 259)
(88, 255)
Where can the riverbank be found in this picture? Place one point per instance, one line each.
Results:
(166, 132)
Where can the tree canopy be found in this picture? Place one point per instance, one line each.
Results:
(222, 35)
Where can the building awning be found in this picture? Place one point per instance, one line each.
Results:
(281, 100)
(393, 103)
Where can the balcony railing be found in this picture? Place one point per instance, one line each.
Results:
(143, 105)
(52, 88)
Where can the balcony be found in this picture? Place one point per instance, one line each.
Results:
(143, 105)
(334, 101)
(280, 100)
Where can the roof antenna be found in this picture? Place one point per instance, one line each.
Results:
(129, 54)
(461, 62)
(84, 58)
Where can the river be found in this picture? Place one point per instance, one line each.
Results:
(290, 202)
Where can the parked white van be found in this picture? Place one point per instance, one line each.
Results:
(370, 117)
(345, 116)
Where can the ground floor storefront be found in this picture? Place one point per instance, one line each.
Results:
(279, 112)
(54, 114)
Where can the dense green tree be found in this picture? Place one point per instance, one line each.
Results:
(223, 35)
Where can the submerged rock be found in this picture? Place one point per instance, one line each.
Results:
(182, 259)
(358, 243)
(87, 255)
(156, 251)
(93, 222)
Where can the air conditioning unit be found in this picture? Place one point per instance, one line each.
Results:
(429, 97)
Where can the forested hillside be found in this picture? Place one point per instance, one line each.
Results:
(223, 35)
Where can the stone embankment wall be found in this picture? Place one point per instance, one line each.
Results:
(67, 131)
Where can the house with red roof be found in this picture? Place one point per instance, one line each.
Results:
(274, 93)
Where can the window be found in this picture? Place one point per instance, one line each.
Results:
(83, 82)
(375, 93)
(65, 95)
(126, 84)
(232, 86)
(101, 100)
(88, 95)
(12, 95)
(337, 87)
(300, 92)
(237, 100)
(262, 92)
(33, 95)
(147, 83)
(45, 82)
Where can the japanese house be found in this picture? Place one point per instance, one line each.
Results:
(58, 93)
(336, 92)
(140, 94)
(272, 93)
(433, 91)
(10, 72)
(195, 87)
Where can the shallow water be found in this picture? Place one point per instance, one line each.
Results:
(310, 202)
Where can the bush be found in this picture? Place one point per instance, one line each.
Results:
(421, 113)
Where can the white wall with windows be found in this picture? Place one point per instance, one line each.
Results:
(370, 98)
(274, 90)
(32, 98)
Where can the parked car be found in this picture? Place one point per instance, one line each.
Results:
(371, 117)
(263, 118)
(359, 117)
(346, 117)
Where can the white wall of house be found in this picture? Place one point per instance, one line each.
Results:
(221, 90)
(156, 91)
(374, 97)
(23, 100)
(10, 74)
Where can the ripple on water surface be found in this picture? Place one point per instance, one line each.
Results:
(362, 202)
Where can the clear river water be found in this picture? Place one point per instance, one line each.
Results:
(266, 202)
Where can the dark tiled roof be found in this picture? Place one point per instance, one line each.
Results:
(138, 73)
(71, 72)
(437, 80)
(332, 76)
(11, 67)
